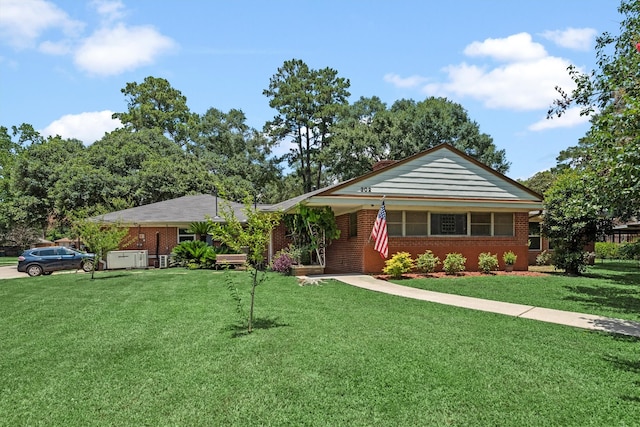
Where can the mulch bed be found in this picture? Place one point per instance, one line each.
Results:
(442, 274)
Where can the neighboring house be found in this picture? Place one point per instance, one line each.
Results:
(159, 227)
(624, 232)
(440, 199)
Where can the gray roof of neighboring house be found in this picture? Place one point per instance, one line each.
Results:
(186, 209)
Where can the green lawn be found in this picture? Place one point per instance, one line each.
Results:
(7, 260)
(611, 289)
(162, 348)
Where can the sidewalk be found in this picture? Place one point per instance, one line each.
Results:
(577, 320)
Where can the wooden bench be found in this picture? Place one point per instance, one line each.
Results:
(227, 260)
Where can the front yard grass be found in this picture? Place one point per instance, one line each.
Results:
(164, 348)
(609, 289)
(7, 260)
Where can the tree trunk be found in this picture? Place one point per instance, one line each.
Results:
(253, 294)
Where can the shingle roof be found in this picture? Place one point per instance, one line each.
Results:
(182, 210)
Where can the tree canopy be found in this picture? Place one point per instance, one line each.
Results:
(608, 157)
(307, 102)
(164, 150)
(370, 132)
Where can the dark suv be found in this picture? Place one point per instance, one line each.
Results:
(39, 261)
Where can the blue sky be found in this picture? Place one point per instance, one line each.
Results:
(64, 62)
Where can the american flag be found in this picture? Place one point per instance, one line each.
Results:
(379, 232)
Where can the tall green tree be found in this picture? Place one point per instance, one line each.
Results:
(357, 143)
(155, 104)
(608, 158)
(308, 103)
(237, 155)
(406, 128)
(37, 170)
(573, 218)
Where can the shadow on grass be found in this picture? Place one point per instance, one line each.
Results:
(111, 276)
(632, 366)
(240, 330)
(625, 300)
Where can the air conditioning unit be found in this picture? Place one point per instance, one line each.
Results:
(163, 261)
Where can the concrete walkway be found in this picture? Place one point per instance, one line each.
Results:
(578, 320)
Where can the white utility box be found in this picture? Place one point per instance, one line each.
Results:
(127, 259)
(163, 261)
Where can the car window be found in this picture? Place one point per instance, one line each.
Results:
(62, 251)
(47, 252)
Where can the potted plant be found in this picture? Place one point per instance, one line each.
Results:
(509, 259)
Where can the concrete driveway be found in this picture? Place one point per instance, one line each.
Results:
(11, 272)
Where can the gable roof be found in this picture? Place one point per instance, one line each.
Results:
(439, 177)
(183, 210)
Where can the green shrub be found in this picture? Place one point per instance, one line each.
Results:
(630, 250)
(607, 250)
(399, 264)
(427, 262)
(454, 263)
(194, 254)
(572, 262)
(509, 258)
(487, 262)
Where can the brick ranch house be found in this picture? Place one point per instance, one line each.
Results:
(440, 199)
(159, 227)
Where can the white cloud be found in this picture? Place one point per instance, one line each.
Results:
(112, 51)
(406, 82)
(525, 79)
(570, 118)
(572, 38)
(55, 48)
(22, 22)
(87, 127)
(110, 10)
(519, 86)
(518, 47)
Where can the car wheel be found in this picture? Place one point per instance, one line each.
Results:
(34, 270)
(87, 266)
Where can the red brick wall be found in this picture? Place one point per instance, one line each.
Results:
(356, 254)
(469, 247)
(346, 254)
(168, 239)
(279, 239)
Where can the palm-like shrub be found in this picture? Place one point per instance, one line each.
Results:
(201, 229)
(399, 264)
(194, 254)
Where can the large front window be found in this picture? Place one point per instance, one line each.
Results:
(416, 223)
(421, 223)
(446, 224)
(394, 223)
(503, 224)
